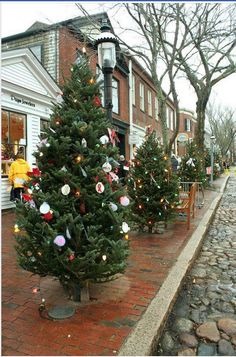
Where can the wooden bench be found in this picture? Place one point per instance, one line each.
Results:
(187, 204)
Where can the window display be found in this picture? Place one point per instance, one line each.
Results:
(13, 137)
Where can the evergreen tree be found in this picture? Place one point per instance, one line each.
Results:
(152, 186)
(73, 224)
(217, 166)
(192, 167)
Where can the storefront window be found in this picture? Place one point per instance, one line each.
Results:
(13, 137)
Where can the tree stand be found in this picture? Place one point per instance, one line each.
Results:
(77, 292)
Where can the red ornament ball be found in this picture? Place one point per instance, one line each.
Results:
(97, 101)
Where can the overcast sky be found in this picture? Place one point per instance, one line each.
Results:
(17, 16)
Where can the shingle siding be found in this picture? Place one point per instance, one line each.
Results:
(49, 41)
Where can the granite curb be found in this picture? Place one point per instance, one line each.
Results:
(143, 338)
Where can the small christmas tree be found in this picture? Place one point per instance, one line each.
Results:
(217, 164)
(152, 186)
(73, 224)
(192, 167)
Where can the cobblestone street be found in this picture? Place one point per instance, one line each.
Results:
(203, 320)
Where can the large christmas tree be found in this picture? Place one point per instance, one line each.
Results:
(72, 224)
(152, 186)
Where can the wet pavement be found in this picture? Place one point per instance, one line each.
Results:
(203, 319)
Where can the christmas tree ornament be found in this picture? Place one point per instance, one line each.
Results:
(68, 233)
(32, 204)
(97, 101)
(104, 139)
(82, 208)
(106, 167)
(84, 143)
(126, 236)
(71, 257)
(124, 201)
(29, 191)
(77, 193)
(92, 81)
(114, 176)
(16, 228)
(57, 122)
(113, 206)
(125, 228)
(41, 154)
(83, 171)
(65, 190)
(100, 187)
(60, 240)
(48, 216)
(64, 169)
(52, 130)
(59, 98)
(113, 136)
(79, 159)
(44, 208)
(26, 197)
(104, 257)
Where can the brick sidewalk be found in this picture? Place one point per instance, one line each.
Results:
(99, 327)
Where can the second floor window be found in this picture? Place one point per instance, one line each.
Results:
(156, 108)
(141, 94)
(133, 89)
(115, 95)
(149, 102)
(187, 124)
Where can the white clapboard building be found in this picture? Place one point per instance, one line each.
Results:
(27, 96)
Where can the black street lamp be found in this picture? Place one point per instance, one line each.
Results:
(106, 46)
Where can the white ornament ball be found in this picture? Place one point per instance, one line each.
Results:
(106, 167)
(125, 228)
(44, 208)
(104, 139)
(113, 206)
(100, 187)
(65, 190)
(124, 201)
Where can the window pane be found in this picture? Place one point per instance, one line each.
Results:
(17, 129)
(115, 95)
(5, 129)
(44, 124)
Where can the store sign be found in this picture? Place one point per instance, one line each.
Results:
(22, 101)
(182, 137)
(133, 138)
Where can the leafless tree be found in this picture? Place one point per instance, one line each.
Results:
(197, 38)
(222, 122)
(207, 51)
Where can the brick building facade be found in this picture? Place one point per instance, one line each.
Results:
(135, 104)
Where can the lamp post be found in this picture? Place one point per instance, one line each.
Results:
(106, 46)
(212, 158)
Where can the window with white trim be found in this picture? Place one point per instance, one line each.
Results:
(133, 89)
(187, 124)
(156, 109)
(141, 95)
(167, 118)
(115, 95)
(149, 93)
(13, 137)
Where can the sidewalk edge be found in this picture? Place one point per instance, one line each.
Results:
(142, 339)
